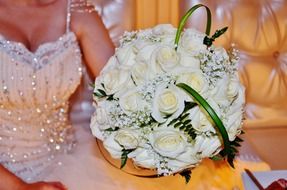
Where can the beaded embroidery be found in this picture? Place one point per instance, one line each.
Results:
(42, 55)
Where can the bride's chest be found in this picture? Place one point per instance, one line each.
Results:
(48, 75)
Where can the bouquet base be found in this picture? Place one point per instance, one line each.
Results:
(129, 168)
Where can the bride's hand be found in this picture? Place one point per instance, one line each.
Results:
(10, 181)
(43, 186)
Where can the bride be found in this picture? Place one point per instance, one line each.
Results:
(42, 45)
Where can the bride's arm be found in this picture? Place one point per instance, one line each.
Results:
(94, 39)
(9, 181)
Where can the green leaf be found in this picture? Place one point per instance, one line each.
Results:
(182, 127)
(111, 129)
(186, 122)
(177, 124)
(92, 85)
(235, 143)
(230, 159)
(172, 122)
(192, 134)
(110, 97)
(124, 156)
(133, 80)
(217, 158)
(184, 116)
(189, 127)
(218, 33)
(102, 92)
(186, 174)
(238, 139)
(98, 94)
(124, 159)
(184, 20)
(209, 40)
(189, 105)
(103, 85)
(227, 148)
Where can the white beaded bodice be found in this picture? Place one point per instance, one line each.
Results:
(35, 88)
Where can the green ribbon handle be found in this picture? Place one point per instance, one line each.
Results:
(184, 20)
(227, 151)
(212, 114)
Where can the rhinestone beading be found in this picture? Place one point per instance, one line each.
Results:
(34, 93)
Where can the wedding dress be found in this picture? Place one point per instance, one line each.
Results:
(37, 140)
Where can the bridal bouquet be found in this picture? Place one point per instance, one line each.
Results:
(169, 98)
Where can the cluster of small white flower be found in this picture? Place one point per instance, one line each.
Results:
(127, 37)
(119, 119)
(215, 63)
(147, 90)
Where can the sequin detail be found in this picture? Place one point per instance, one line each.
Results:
(34, 93)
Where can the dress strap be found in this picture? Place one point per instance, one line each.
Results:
(82, 6)
(68, 19)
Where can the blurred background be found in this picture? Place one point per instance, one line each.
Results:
(258, 30)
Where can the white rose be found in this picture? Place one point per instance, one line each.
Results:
(200, 120)
(168, 142)
(168, 102)
(219, 92)
(189, 60)
(95, 128)
(126, 55)
(111, 64)
(164, 29)
(233, 88)
(144, 158)
(233, 124)
(139, 72)
(127, 138)
(113, 146)
(164, 59)
(116, 80)
(100, 119)
(131, 101)
(239, 101)
(196, 80)
(234, 115)
(192, 40)
(207, 146)
(166, 32)
(145, 51)
(139, 44)
(185, 160)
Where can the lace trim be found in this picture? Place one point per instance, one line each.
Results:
(82, 6)
(44, 53)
